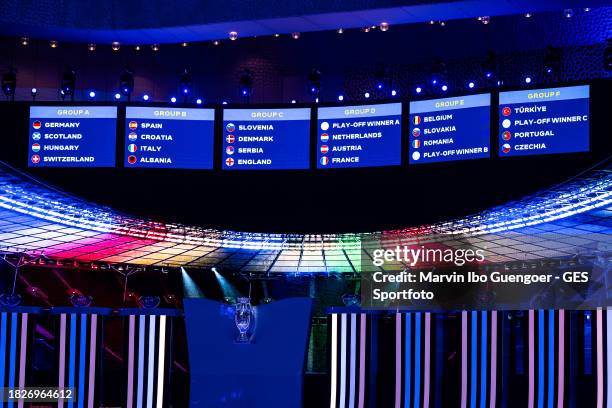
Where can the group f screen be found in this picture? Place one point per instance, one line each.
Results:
(72, 136)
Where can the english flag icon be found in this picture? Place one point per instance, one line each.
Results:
(230, 127)
(416, 132)
(36, 147)
(133, 125)
(35, 159)
(506, 148)
(229, 162)
(324, 160)
(324, 137)
(416, 120)
(36, 125)
(229, 150)
(229, 138)
(506, 111)
(324, 149)
(506, 135)
(132, 159)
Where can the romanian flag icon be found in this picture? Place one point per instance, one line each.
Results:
(416, 144)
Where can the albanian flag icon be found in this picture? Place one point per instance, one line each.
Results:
(36, 124)
(506, 111)
(132, 159)
(506, 148)
(506, 135)
(133, 125)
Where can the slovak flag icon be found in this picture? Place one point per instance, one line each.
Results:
(324, 160)
(506, 148)
(229, 138)
(324, 149)
(416, 132)
(229, 162)
(506, 111)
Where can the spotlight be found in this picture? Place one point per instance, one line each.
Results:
(68, 83)
(500, 82)
(155, 47)
(145, 97)
(295, 35)
(92, 94)
(527, 79)
(381, 77)
(199, 101)
(293, 101)
(552, 60)
(444, 88)
(137, 48)
(471, 85)
(53, 44)
(276, 35)
(115, 46)
(186, 82)
(184, 44)
(91, 47)
(173, 99)
(488, 74)
(126, 82)
(568, 13)
(117, 96)
(418, 89)
(313, 82)
(384, 26)
(216, 42)
(393, 92)
(485, 20)
(366, 29)
(528, 15)
(586, 9)
(233, 35)
(224, 103)
(245, 85)
(490, 65)
(317, 99)
(24, 41)
(340, 97)
(366, 95)
(33, 92)
(432, 22)
(340, 30)
(442, 23)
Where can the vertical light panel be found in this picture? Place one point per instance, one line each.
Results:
(353, 360)
(151, 363)
(12, 355)
(427, 360)
(464, 358)
(551, 358)
(82, 350)
(130, 374)
(141, 360)
(161, 361)
(62, 356)
(3, 324)
(362, 361)
(541, 358)
(493, 386)
(72, 356)
(474, 360)
(408, 361)
(483, 359)
(609, 355)
(600, 357)
(561, 360)
(92, 361)
(334, 359)
(22, 354)
(531, 392)
(343, 360)
(398, 360)
(417, 359)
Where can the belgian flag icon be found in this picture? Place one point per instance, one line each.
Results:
(416, 120)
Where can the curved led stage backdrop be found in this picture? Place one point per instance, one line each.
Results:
(38, 220)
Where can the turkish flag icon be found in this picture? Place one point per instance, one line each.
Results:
(506, 111)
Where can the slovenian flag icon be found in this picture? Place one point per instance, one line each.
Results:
(132, 148)
(416, 120)
(416, 144)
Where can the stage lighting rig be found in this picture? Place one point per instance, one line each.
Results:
(245, 85)
(313, 83)
(185, 83)
(68, 84)
(9, 83)
(126, 82)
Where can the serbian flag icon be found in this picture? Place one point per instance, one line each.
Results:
(229, 138)
(229, 162)
(324, 149)
(506, 135)
(35, 159)
(132, 159)
(506, 148)
(132, 136)
(416, 120)
(506, 111)
(324, 137)
(416, 132)
(36, 125)
(133, 125)
(416, 144)
(36, 147)
(324, 161)
(229, 150)
(132, 148)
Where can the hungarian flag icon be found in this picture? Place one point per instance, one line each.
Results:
(416, 120)
(36, 147)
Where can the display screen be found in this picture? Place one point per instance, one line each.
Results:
(359, 136)
(450, 129)
(72, 136)
(544, 121)
(266, 139)
(169, 137)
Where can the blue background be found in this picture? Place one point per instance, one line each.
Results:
(191, 147)
(384, 151)
(568, 138)
(473, 130)
(290, 149)
(99, 140)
